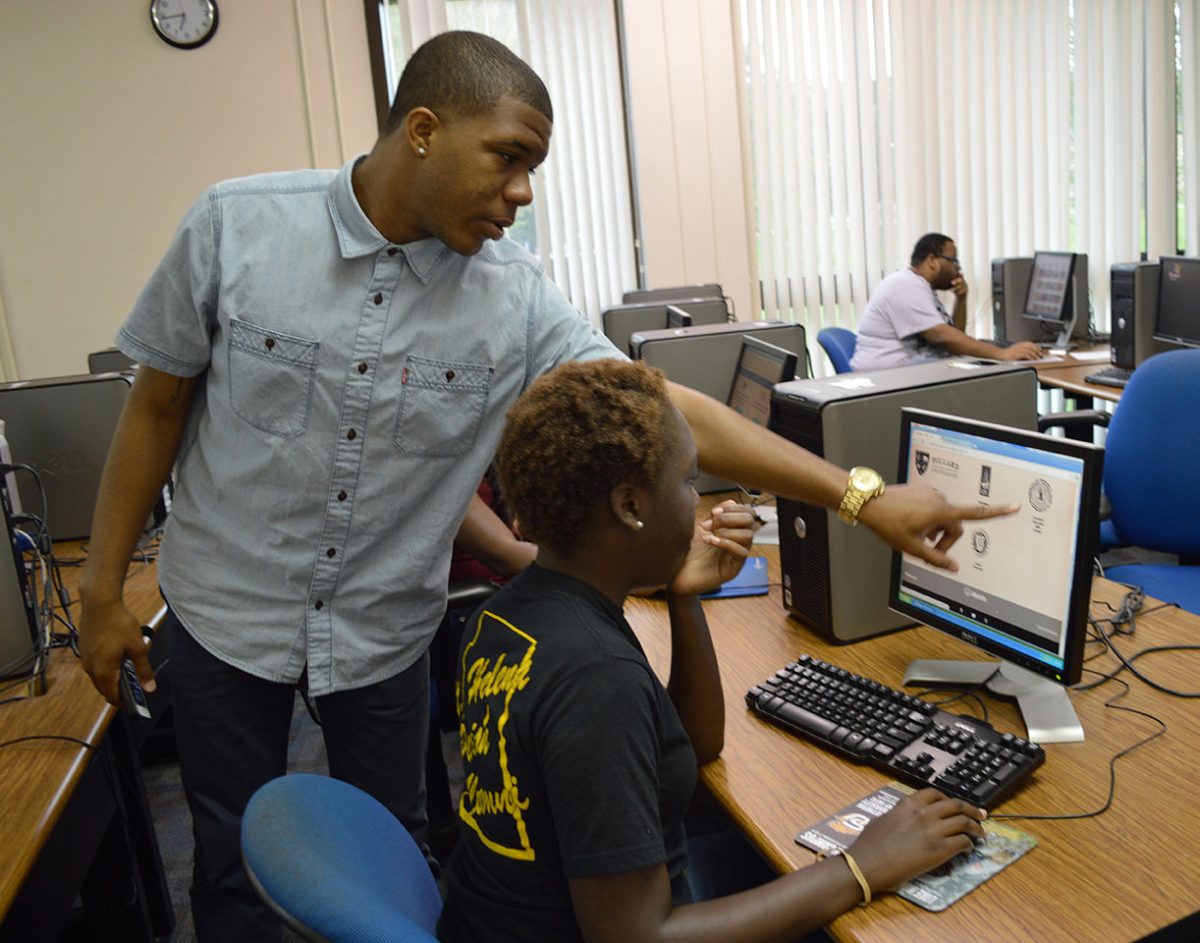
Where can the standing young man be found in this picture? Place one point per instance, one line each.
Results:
(327, 358)
(905, 323)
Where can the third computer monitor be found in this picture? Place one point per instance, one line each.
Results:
(1178, 301)
(1023, 584)
(1049, 297)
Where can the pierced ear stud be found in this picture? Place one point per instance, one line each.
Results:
(640, 525)
(420, 152)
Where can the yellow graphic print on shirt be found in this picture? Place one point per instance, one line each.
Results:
(491, 802)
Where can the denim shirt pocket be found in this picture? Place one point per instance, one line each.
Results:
(271, 378)
(441, 407)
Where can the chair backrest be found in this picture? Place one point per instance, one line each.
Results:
(1153, 454)
(838, 344)
(335, 865)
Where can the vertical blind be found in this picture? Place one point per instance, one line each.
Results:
(582, 220)
(1010, 125)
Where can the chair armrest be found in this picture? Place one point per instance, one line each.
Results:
(1073, 420)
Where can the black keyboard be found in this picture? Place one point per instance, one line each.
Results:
(902, 735)
(1110, 376)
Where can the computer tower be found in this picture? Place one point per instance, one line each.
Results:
(678, 293)
(835, 577)
(622, 322)
(704, 358)
(1010, 285)
(62, 426)
(1134, 296)
(18, 620)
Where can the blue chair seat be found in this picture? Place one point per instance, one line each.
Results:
(335, 865)
(838, 344)
(1177, 584)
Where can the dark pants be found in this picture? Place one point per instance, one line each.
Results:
(232, 733)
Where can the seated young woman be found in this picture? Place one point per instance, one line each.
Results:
(579, 764)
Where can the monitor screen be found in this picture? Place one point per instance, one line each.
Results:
(1050, 286)
(760, 366)
(1178, 301)
(1024, 581)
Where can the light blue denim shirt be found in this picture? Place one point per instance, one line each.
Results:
(353, 392)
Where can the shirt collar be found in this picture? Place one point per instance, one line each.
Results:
(357, 235)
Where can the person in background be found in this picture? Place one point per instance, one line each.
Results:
(579, 764)
(905, 323)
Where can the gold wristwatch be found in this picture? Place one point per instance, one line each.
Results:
(864, 484)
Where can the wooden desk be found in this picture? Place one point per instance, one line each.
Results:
(75, 820)
(1117, 877)
(1070, 377)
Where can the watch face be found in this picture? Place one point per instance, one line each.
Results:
(866, 479)
(184, 24)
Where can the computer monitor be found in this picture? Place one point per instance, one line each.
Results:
(1178, 319)
(1024, 581)
(1051, 299)
(677, 317)
(760, 366)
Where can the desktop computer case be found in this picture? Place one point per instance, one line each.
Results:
(18, 621)
(1134, 312)
(1010, 285)
(63, 426)
(835, 577)
(705, 357)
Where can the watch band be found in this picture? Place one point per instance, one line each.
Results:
(854, 498)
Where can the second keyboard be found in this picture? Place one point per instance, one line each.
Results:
(905, 736)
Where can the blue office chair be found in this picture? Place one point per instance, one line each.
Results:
(335, 865)
(1150, 472)
(838, 344)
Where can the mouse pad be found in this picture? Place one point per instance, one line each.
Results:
(937, 889)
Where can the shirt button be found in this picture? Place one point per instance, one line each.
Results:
(393, 251)
(270, 342)
(351, 434)
(331, 552)
(342, 496)
(449, 374)
(362, 368)
(378, 298)
(318, 605)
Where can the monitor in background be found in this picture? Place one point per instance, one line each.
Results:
(677, 317)
(760, 366)
(1057, 292)
(1178, 319)
(1024, 581)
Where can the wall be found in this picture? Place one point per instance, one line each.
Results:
(690, 159)
(109, 134)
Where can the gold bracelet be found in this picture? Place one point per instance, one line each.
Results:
(858, 876)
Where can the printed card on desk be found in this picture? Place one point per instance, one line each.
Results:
(937, 889)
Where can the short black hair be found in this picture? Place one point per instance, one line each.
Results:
(463, 74)
(932, 243)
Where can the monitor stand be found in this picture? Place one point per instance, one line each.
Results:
(1062, 343)
(1044, 705)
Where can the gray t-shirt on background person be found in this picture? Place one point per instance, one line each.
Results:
(902, 307)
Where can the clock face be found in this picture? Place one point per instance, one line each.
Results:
(184, 24)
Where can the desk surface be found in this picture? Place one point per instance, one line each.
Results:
(1070, 375)
(1116, 877)
(38, 777)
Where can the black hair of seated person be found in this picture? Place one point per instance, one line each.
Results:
(932, 243)
(574, 435)
(464, 74)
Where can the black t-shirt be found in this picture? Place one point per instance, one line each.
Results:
(576, 762)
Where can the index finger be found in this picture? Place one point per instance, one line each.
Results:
(979, 512)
